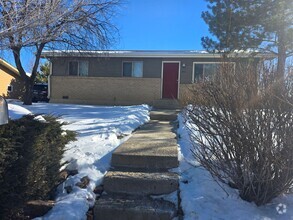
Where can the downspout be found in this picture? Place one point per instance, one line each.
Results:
(49, 81)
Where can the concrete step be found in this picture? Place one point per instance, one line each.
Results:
(133, 208)
(166, 104)
(152, 147)
(152, 154)
(155, 127)
(164, 115)
(140, 183)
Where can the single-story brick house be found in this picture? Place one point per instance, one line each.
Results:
(127, 77)
(10, 83)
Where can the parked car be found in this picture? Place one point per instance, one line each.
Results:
(40, 92)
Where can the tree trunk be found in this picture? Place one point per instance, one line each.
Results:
(281, 62)
(28, 94)
(28, 80)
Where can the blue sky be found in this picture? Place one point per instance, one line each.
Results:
(162, 25)
(153, 25)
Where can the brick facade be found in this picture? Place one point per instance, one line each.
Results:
(104, 90)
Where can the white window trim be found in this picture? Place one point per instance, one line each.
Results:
(132, 61)
(193, 69)
(78, 61)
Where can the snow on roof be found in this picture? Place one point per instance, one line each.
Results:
(145, 53)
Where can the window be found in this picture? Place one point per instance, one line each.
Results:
(78, 68)
(127, 69)
(206, 71)
(10, 88)
(133, 69)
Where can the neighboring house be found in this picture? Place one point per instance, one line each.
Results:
(10, 83)
(127, 77)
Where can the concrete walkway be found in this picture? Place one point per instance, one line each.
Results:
(140, 169)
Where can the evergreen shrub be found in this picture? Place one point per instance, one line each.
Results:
(30, 154)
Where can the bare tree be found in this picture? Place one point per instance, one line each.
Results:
(51, 24)
(241, 136)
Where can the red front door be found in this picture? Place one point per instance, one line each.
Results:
(170, 80)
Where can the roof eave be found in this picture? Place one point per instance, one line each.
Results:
(12, 70)
(130, 55)
(54, 54)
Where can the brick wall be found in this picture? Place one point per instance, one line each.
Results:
(104, 90)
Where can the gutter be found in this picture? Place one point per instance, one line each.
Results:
(49, 81)
(150, 54)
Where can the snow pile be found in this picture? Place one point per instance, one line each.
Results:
(204, 198)
(99, 130)
(16, 111)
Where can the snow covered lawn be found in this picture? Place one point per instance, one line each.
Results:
(99, 131)
(203, 198)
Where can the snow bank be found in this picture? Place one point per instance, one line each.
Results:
(100, 130)
(16, 111)
(203, 198)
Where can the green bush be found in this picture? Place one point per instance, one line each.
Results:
(30, 154)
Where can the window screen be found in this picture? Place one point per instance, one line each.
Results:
(78, 68)
(207, 71)
(137, 69)
(133, 69)
(210, 70)
(83, 68)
